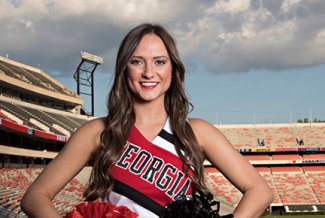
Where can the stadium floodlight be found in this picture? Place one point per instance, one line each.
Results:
(92, 58)
(84, 76)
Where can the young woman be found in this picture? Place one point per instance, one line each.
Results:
(147, 152)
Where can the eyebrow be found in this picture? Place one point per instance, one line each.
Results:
(156, 57)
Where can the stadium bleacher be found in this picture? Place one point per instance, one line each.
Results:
(31, 77)
(14, 183)
(292, 186)
(56, 122)
(290, 157)
(244, 136)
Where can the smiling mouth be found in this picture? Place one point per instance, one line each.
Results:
(149, 84)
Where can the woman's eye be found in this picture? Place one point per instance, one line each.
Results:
(160, 62)
(136, 62)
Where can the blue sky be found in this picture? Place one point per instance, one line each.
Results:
(236, 98)
(268, 96)
(247, 61)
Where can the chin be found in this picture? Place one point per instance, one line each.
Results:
(149, 99)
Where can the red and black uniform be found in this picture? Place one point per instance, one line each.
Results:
(149, 174)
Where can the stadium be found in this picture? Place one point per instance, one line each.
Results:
(38, 114)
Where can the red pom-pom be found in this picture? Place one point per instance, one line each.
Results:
(100, 210)
(73, 214)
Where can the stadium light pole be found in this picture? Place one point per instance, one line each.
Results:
(84, 75)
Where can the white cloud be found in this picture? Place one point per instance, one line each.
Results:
(226, 36)
(238, 39)
(229, 6)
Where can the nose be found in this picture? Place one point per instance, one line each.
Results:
(149, 72)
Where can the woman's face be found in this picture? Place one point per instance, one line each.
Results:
(149, 71)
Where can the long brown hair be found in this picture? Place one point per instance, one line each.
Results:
(121, 117)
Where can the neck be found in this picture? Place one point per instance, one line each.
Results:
(149, 113)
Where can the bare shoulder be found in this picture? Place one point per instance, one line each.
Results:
(95, 125)
(89, 132)
(202, 129)
(197, 123)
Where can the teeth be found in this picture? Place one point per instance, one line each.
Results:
(149, 84)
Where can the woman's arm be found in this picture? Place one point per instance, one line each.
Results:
(37, 201)
(257, 195)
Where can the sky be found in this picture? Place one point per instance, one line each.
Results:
(257, 61)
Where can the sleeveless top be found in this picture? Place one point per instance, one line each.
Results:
(149, 174)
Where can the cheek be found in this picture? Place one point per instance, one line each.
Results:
(134, 73)
(168, 73)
